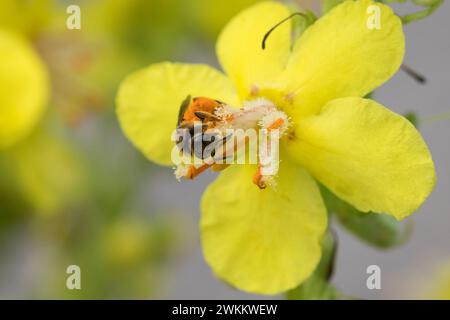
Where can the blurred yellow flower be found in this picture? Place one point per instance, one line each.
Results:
(46, 171)
(24, 88)
(213, 15)
(268, 241)
(126, 243)
(28, 17)
(438, 285)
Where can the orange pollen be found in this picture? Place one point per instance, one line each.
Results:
(276, 125)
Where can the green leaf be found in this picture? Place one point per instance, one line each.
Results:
(317, 286)
(327, 5)
(379, 230)
(301, 23)
(429, 6)
(412, 117)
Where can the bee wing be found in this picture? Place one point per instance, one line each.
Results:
(224, 151)
(184, 105)
(202, 115)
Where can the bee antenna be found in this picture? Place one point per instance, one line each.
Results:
(279, 24)
(414, 74)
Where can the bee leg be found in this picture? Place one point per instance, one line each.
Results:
(219, 167)
(194, 172)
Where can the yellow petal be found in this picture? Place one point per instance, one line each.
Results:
(263, 241)
(148, 102)
(367, 155)
(340, 56)
(239, 47)
(24, 88)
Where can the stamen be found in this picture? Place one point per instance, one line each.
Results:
(275, 120)
(262, 181)
(270, 181)
(181, 171)
(225, 113)
(254, 90)
(290, 97)
(259, 103)
(258, 179)
(276, 125)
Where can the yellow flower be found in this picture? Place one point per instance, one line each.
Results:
(24, 88)
(267, 241)
(46, 171)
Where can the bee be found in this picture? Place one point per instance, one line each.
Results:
(199, 111)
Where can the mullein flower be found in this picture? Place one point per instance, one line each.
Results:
(24, 88)
(268, 240)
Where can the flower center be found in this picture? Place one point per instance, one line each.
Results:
(227, 135)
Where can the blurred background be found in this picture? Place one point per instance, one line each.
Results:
(74, 191)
